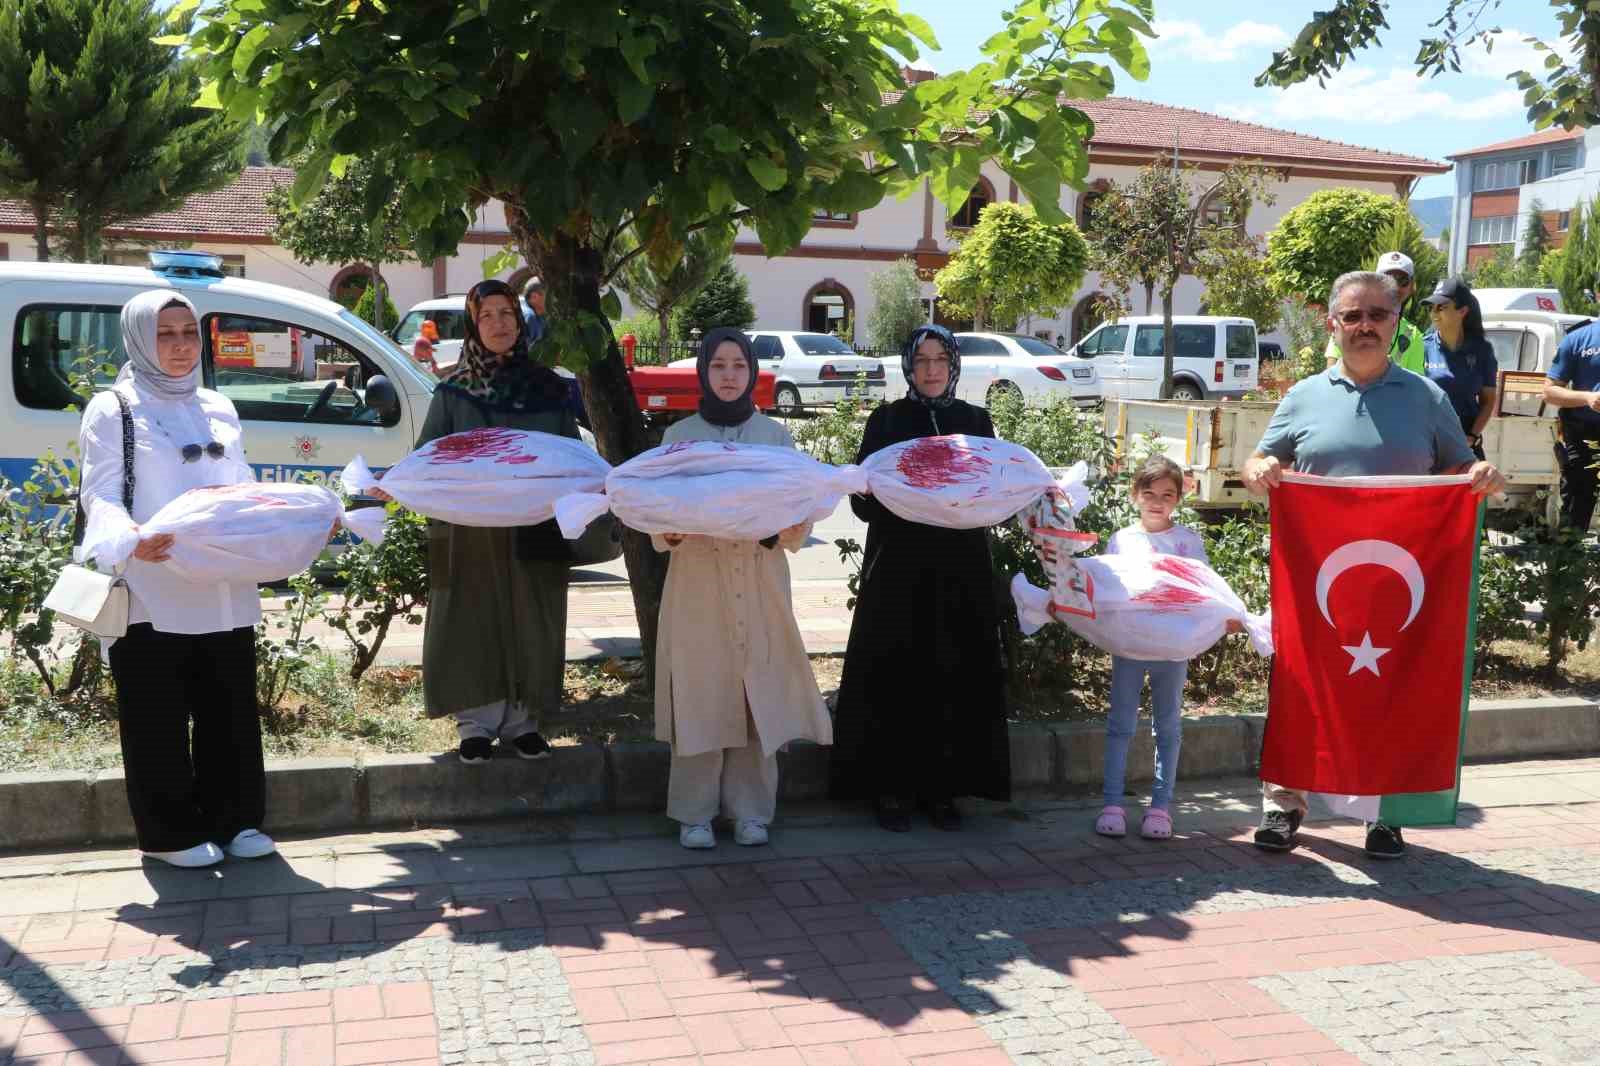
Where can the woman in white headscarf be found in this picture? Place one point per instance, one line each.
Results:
(189, 654)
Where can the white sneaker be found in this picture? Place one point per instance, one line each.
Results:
(207, 854)
(750, 832)
(251, 844)
(697, 836)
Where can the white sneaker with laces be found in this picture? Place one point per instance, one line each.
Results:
(697, 836)
(750, 832)
(251, 844)
(207, 854)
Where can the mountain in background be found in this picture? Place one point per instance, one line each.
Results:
(1433, 213)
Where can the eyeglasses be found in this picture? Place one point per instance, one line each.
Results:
(192, 452)
(1376, 315)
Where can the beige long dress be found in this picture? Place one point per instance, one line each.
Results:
(729, 654)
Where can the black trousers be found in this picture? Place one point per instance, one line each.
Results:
(183, 794)
(1578, 455)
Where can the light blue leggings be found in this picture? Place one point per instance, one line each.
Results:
(1166, 698)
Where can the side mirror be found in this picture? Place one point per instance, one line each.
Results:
(382, 398)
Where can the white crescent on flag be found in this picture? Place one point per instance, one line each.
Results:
(1376, 553)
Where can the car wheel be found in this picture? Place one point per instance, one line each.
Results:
(787, 401)
(1003, 388)
(1186, 391)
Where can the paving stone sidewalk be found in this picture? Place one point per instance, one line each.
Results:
(1022, 939)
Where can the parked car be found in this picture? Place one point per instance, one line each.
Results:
(449, 314)
(812, 370)
(1216, 358)
(1269, 350)
(1026, 367)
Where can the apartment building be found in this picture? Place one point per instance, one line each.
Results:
(1497, 184)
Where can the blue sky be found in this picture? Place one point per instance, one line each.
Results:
(1210, 50)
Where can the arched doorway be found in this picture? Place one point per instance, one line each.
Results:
(828, 308)
(349, 283)
(981, 196)
(1088, 313)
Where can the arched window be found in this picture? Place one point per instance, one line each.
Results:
(1087, 314)
(981, 196)
(349, 283)
(828, 306)
(1216, 214)
(1086, 204)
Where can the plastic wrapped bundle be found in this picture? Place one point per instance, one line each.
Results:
(482, 477)
(714, 489)
(248, 532)
(956, 481)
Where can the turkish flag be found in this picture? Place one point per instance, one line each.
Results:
(1371, 622)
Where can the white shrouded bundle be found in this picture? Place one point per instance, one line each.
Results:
(714, 489)
(248, 532)
(956, 481)
(482, 477)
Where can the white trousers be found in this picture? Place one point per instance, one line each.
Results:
(1288, 800)
(741, 782)
(502, 718)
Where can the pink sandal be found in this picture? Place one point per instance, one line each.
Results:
(1157, 825)
(1113, 822)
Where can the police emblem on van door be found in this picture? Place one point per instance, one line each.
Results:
(307, 447)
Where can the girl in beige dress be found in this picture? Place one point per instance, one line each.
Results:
(733, 683)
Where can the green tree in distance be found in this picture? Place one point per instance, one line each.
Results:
(1328, 233)
(1403, 234)
(897, 306)
(1566, 92)
(1535, 238)
(1152, 231)
(99, 123)
(1011, 265)
(664, 116)
(662, 291)
(724, 300)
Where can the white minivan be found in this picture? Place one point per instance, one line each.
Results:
(1215, 358)
(314, 385)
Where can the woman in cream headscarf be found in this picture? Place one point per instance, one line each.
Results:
(189, 656)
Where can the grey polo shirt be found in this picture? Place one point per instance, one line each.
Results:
(1400, 424)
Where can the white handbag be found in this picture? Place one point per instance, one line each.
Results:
(94, 602)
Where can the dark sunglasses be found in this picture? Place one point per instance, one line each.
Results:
(192, 452)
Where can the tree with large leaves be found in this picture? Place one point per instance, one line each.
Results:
(1565, 92)
(1164, 224)
(99, 124)
(663, 116)
(1013, 264)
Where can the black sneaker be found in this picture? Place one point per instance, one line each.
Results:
(476, 750)
(1384, 841)
(893, 816)
(1278, 829)
(531, 746)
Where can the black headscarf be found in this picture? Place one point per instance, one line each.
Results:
(516, 382)
(713, 408)
(908, 352)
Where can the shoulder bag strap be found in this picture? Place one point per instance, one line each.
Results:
(80, 518)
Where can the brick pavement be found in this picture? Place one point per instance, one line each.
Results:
(993, 945)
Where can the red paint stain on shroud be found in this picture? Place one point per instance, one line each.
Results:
(500, 445)
(1168, 596)
(938, 462)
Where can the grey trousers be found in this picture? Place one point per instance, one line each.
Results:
(740, 781)
(502, 718)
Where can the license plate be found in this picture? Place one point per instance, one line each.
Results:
(849, 390)
(1241, 370)
(1083, 372)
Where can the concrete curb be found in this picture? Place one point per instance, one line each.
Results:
(310, 795)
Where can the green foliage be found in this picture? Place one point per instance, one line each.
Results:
(99, 124)
(723, 301)
(33, 549)
(1501, 615)
(1504, 271)
(279, 662)
(648, 332)
(366, 305)
(835, 437)
(1236, 283)
(897, 306)
(1329, 233)
(1550, 268)
(341, 223)
(1535, 238)
(1403, 233)
(1012, 265)
(1239, 548)
(1307, 330)
(660, 288)
(1561, 93)
(382, 582)
(1562, 572)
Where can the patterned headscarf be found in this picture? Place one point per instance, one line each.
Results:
(513, 382)
(909, 352)
(140, 318)
(713, 408)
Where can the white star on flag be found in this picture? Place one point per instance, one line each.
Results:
(1364, 656)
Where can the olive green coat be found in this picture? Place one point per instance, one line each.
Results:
(497, 625)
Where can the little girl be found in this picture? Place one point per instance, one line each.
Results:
(1157, 490)
(733, 683)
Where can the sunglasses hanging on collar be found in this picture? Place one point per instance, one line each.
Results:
(192, 452)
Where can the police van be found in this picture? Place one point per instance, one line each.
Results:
(314, 384)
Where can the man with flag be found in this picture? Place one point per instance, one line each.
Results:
(1364, 416)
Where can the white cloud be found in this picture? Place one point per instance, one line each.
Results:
(1511, 53)
(1192, 41)
(1360, 95)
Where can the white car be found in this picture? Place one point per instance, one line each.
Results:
(449, 314)
(813, 369)
(1214, 358)
(1027, 367)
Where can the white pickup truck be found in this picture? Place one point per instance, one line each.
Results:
(1212, 439)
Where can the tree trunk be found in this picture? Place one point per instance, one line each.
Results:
(378, 298)
(664, 336)
(41, 230)
(1149, 296)
(572, 271)
(1169, 344)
